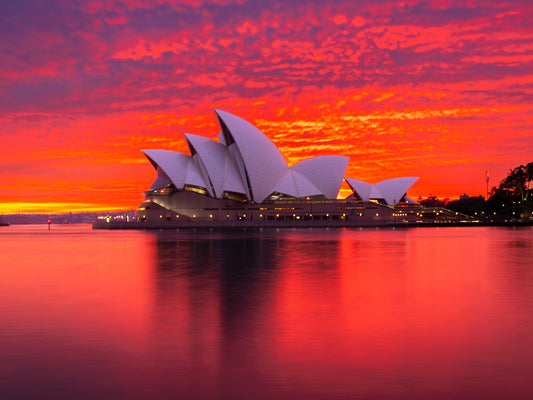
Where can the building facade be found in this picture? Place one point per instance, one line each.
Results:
(244, 177)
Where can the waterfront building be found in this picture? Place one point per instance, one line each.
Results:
(244, 177)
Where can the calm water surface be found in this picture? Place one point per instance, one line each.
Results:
(432, 313)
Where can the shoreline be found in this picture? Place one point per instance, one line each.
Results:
(192, 225)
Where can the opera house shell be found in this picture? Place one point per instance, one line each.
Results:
(244, 178)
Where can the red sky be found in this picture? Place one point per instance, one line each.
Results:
(442, 90)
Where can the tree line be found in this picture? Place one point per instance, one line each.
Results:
(512, 198)
(516, 184)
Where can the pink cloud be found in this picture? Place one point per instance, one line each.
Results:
(410, 88)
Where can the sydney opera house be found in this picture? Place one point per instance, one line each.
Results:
(244, 180)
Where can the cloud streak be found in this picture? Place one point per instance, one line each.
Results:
(434, 89)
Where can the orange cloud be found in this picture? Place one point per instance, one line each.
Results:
(436, 90)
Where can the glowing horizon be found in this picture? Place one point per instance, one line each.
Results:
(442, 91)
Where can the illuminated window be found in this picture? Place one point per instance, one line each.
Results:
(196, 189)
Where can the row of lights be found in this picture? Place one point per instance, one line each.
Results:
(261, 215)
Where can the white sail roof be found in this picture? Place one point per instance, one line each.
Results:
(264, 165)
(304, 186)
(394, 189)
(287, 185)
(194, 175)
(297, 185)
(232, 179)
(390, 190)
(159, 183)
(325, 172)
(222, 172)
(362, 188)
(174, 164)
(213, 157)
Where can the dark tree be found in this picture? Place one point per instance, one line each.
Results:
(473, 206)
(432, 201)
(513, 199)
(516, 184)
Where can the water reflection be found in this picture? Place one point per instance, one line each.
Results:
(221, 292)
(314, 314)
(398, 314)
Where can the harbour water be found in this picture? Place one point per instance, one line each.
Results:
(415, 313)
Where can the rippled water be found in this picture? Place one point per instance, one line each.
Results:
(427, 313)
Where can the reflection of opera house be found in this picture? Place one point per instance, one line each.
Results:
(243, 180)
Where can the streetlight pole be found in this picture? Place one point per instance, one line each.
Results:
(487, 178)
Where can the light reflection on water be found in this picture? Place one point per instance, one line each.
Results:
(291, 314)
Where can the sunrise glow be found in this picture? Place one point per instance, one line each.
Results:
(440, 90)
